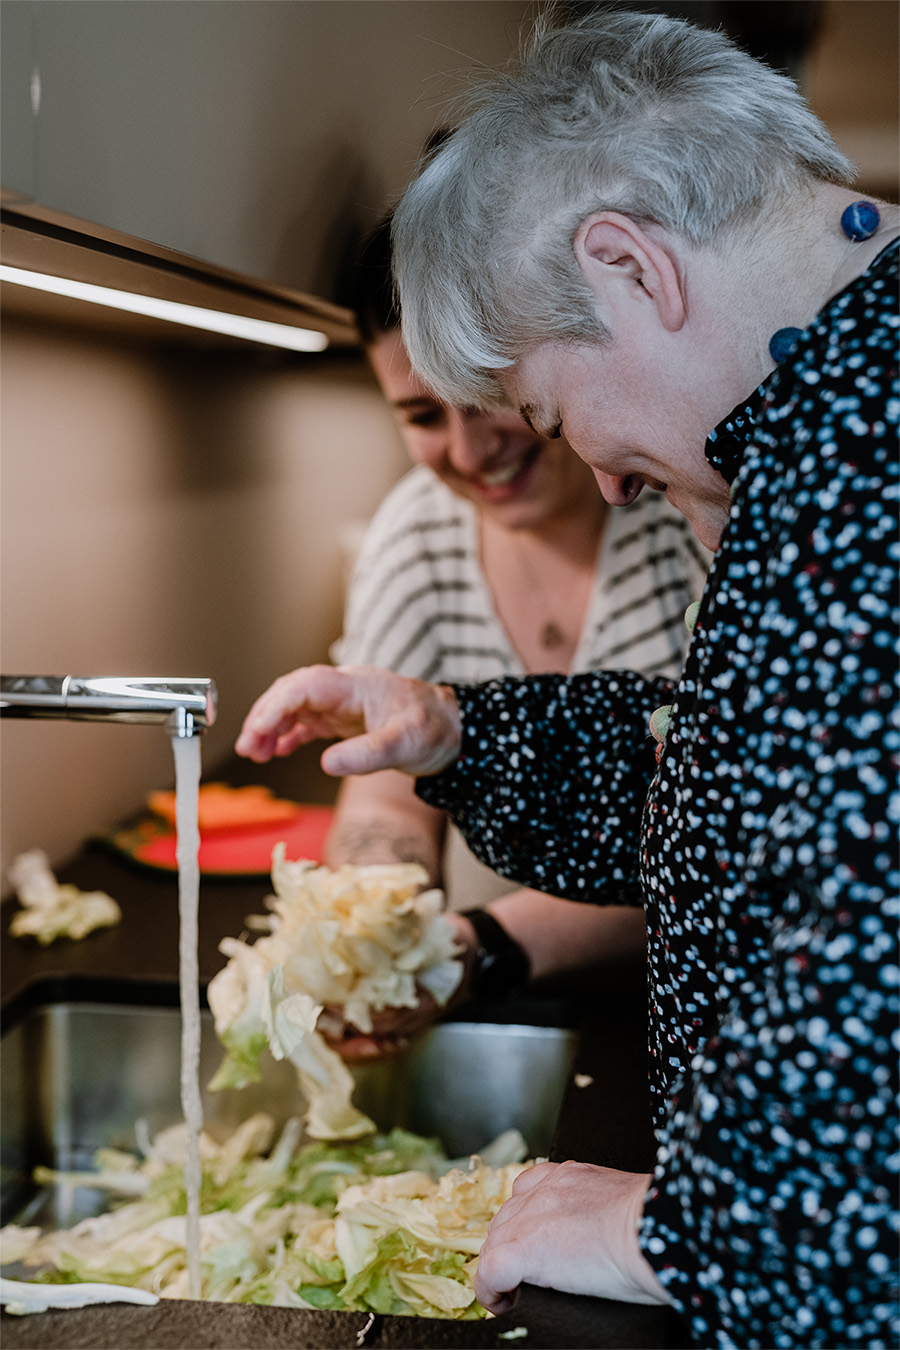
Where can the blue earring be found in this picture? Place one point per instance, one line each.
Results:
(782, 343)
(860, 221)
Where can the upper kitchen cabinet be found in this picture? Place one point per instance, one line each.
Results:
(256, 135)
(18, 125)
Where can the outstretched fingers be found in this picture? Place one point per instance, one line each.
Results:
(305, 705)
(382, 720)
(362, 754)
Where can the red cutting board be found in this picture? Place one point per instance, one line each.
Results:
(239, 851)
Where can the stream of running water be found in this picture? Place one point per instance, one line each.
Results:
(187, 788)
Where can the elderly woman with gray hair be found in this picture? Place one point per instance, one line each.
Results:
(645, 240)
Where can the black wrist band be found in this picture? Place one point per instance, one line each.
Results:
(502, 967)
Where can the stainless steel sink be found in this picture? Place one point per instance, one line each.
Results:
(77, 1076)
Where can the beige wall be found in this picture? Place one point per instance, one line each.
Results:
(181, 513)
(852, 80)
(174, 514)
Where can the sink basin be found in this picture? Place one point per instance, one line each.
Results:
(77, 1076)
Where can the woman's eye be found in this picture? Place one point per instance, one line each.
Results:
(429, 417)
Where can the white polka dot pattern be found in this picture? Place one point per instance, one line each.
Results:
(767, 855)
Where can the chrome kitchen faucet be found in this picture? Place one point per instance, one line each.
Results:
(185, 706)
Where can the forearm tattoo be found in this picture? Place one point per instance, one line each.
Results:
(377, 840)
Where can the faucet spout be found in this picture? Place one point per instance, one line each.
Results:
(184, 706)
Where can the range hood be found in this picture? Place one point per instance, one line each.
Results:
(37, 240)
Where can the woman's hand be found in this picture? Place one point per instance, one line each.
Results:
(393, 1028)
(569, 1226)
(383, 720)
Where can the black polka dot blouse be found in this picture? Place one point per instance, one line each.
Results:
(764, 847)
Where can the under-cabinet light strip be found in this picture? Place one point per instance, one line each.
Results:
(190, 316)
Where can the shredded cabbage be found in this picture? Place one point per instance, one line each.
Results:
(385, 1225)
(51, 910)
(358, 938)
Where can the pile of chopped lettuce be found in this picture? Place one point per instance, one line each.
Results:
(51, 910)
(360, 939)
(388, 1225)
(384, 1224)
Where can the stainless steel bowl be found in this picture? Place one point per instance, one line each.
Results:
(77, 1076)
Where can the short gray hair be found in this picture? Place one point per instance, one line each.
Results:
(638, 113)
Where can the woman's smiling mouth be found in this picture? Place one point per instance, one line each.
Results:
(506, 479)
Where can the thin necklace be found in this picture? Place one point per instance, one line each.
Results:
(506, 553)
(550, 635)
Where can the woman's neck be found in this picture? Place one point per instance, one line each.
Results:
(782, 269)
(573, 534)
(541, 581)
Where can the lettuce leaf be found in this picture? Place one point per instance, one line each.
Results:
(377, 1224)
(361, 939)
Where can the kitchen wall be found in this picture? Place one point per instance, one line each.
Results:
(851, 77)
(166, 512)
(181, 512)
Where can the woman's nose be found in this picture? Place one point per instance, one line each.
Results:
(619, 491)
(473, 439)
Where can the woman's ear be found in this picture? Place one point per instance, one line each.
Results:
(610, 246)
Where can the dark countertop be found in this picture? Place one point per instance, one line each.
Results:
(605, 1122)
